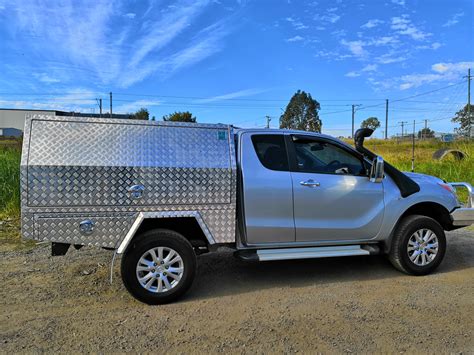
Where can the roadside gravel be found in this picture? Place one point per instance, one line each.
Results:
(342, 305)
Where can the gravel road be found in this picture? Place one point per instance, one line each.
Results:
(342, 305)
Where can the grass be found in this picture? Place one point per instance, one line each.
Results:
(10, 155)
(400, 155)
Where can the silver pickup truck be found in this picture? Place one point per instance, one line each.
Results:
(161, 193)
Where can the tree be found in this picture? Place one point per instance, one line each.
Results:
(426, 133)
(301, 113)
(180, 117)
(463, 120)
(371, 122)
(141, 114)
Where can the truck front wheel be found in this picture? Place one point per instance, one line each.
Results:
(418, 245)
(159, 266)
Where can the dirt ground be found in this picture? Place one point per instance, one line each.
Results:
(341, 305)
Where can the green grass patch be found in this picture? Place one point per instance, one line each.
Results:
(10, 156)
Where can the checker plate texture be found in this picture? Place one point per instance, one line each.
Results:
(81, 168)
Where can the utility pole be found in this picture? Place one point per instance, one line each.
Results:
(403, 125)
(99, 102)
(426, 130)
(268, 121)
(469, 101)
(386, 118)
(353, 116)
(110, 104)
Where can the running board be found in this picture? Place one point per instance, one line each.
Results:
(302, 253)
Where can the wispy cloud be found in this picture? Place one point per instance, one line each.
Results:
(78, 99)
(204, 44)
(440, 72)
(106, 55)
(295, 39)
(297, 25)
(372, 23)
(367, 69)
(329, 17)
(355, 47)
(136, 105)
(454, 19)
(399, 2)
(232, 95)
(403, 26)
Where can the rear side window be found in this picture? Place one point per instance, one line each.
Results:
(271, 151)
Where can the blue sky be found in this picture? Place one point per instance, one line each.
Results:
(238, 61)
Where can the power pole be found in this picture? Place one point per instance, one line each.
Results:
(469, 101)
(353, 116)
(386, 118)
(110, 104)
(426, 130)
(268, 121)
(403, 125)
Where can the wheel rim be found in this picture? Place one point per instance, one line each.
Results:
(423, 247)
(160, 269)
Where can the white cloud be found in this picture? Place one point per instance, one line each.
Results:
(45, 78)
(453, 20)
(366, 69)
(295, 39)
(206, 43)
(352, 74)
(79, 100)
(403, 26)
(399, 2)
(459, 67)
(385, 40)
(372, 23)
(442, 72)
(370, 67)
(136, 105)
(298, 25)
(355, 47)
(232, 95)
(103, 54)
(330, 16)
(390, 57)
(434, 46)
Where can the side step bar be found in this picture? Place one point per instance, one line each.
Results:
(303, 253)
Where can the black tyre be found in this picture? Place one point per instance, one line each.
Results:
(159, 266)
(418, 245)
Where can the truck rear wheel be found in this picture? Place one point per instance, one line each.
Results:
(159, 266)
(418, 245)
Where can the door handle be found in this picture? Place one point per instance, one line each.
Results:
(309, 183)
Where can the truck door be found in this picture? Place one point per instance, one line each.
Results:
(267, 188)
(333, 197)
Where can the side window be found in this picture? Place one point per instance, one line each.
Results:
(326, 158)
(271, 151)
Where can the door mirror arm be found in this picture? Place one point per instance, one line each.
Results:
(376, 172)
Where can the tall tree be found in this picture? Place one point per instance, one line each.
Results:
(463, 119)
(302, 113)
(180, 117)
(426, 133)
(371, 122)
(141, 114)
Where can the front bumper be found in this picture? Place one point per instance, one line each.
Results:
(464, 216)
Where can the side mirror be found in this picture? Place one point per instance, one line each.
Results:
(376, 173)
